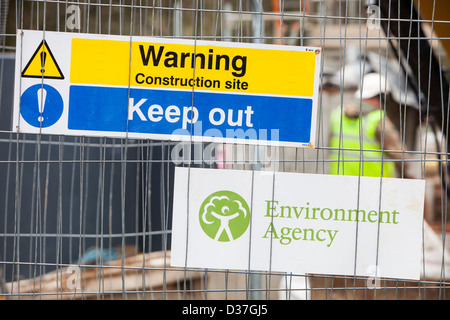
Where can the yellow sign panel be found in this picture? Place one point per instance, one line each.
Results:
(200, 65)
(42, 64)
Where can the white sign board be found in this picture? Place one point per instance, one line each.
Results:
(165, 89)
(300, 223)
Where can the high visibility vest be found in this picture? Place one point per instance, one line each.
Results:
(349, 157)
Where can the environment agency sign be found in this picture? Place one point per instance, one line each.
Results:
(300, 223)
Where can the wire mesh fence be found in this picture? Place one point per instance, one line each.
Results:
(91, 217)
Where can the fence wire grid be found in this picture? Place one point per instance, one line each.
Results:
(91, 218)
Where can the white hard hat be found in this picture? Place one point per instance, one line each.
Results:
(373, 85)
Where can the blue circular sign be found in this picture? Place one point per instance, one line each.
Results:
(41, 106)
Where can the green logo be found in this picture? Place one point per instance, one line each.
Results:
(224, 216)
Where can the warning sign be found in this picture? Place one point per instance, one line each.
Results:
(42, 64)
(166, 89)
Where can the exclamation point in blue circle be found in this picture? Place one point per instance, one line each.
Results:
(41, 105)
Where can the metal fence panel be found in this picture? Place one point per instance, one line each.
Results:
(90, 218)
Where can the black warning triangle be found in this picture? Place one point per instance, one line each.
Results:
(42, 64)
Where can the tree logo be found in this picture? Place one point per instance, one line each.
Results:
(224, 216)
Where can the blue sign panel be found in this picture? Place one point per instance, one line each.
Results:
(200, 114)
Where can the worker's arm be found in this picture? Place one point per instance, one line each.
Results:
(392, 145)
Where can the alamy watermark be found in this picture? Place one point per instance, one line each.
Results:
(73, 281)
(373, 281)
(373, 18)
(262, 147)
(73, 20)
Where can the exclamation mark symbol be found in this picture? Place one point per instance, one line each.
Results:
(42, 95)
(43, 56)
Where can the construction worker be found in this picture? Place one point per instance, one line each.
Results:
(364, 126)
